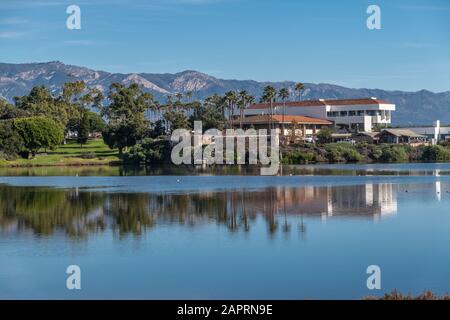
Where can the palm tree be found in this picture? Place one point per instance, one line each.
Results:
(231, 98)
(193, 107)
(244, 100)
(155, 109)
(169, 103)
(250, 100)
(283, 94)
(189, 95)
(269, 96)
(215, 101)
(178, 103)
(167, 108)
(299, 87)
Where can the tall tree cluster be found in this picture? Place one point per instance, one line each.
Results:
(43, 120)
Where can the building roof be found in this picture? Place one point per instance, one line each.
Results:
(321, 102)
(430, 130)
(402, 133)
(262, 119)
(340, 135)
(368, 134)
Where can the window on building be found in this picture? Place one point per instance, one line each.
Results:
(374, 113)
(351, 113)
(360, 113)
(343, 113)
(332, 114)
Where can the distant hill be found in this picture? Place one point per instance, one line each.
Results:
(418, 108)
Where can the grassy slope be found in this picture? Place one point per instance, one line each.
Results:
(70, 155)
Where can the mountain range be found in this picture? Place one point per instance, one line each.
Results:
(413, 108)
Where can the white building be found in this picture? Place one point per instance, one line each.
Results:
(435, 133)
(360, 114)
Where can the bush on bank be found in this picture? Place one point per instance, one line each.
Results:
(362, 152)
(394, 153)
(25, 136)
(342, 152)
(436, 153)
(38, 133)
(148, 151)
(11, 144)
(395, 295)
(299, 157)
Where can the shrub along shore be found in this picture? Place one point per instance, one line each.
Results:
(151, 151)
(363, 153)
(95, 152)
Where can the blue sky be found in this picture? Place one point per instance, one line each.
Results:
(320, 41)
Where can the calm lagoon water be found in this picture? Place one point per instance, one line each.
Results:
(215, 234)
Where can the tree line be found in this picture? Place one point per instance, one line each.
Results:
(42, 119)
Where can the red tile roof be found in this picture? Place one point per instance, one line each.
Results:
(281, 119)
(356, 102)
(315, 103)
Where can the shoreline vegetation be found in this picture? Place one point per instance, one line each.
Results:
(82, 127)
(96, 153)
(363, 153)
(395, 295)
(93, 153)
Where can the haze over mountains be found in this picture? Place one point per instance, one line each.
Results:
(418, 108)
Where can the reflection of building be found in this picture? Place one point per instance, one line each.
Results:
(372, 199)
(362, 200)
(437, 186)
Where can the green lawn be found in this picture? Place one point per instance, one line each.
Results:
(70, 154)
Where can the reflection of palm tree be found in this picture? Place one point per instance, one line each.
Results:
(130, 213)
(46, 211)
(302, 226)
(273, 224)
(286, 226)
(244, 212)
(233, 225)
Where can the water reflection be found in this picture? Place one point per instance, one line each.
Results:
(395, 169)
(45, 211)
